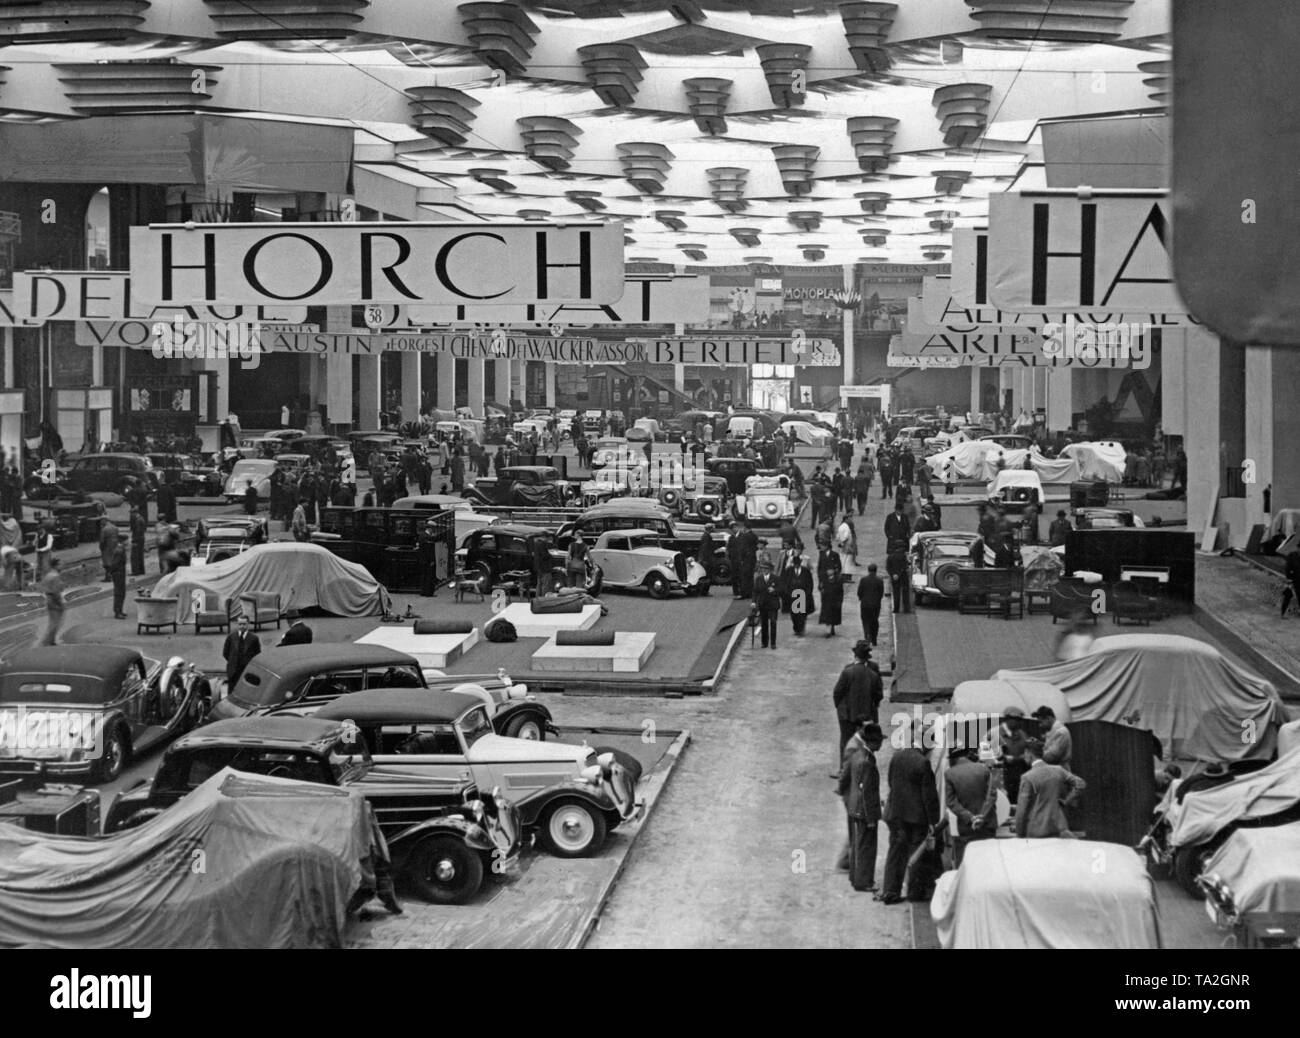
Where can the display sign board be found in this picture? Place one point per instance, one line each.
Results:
(358, 263)
(743, 352)
(142, 335)
(556, 349)
(863, 392)
(1235, 153)
(106, 295)
(1017, 348)
(1063, 252)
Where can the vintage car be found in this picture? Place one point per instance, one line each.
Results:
(593, 421)
(735, 471)
(636, 559)
(766, 500)
(489, 554)
(705, 500)
(614, 450)
(256, 528)
(260, 447)
(938, 557)
(1200, 812)
(646, 430)
(571, 795)
(641, 513)
(1107, 519)
(187, 475)
(466, 520)
(224, 542)
(524, 485)
(798, 432)
(1016, 490)
(914, 437)
(95, 473)
(255, 470)
(91, 709)
(1256, 870)
(443, 834)
(301, 678)
(366, 443)
(1010, 441)
(612, 482)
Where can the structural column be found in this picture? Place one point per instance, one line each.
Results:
(446, 382)
(1201, 440)
(1260, 379)
(501, 381)
(475, 399)
(1060, 398)
(368, 396)
(550, 383)
(518, 381)
(847, 344)
(411, 386)
(338, 389)
(976, 390)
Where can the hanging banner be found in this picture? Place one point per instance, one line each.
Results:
(647, 299)
(1062, 252)
(9, 314)
(1059, 346)
(810, 353)
(105, 295)
(496, 346)
(357, 263)
(147, 335)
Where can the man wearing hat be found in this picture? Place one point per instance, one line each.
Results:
(298, 633)
(857, 694)
(797, 589)
(707, 557)
(1059, 530)
(767, 602)
(859, 785)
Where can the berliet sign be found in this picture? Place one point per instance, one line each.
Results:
(356, 263)
(816, 353)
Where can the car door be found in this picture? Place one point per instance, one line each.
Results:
(132, 699)
(612, 559)
(416, 749)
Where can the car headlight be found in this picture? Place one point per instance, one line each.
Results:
(592, 774)
(605, 762)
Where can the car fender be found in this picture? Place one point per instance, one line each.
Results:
(471, 832)
(508, 711)
(126, 804)
(531, 807)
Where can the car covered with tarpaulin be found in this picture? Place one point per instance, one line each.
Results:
(1256, 870)
(1047, 894)
(306, 576)
(1195, 701)
(244, 861)
(981, 460)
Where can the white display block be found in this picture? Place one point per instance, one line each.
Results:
(628, 654)
(432, 650)
(528, 624)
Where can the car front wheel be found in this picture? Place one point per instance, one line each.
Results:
(441, 869)
(481, 574)
(1189, 863)
(526, 726)
(572, 829)
(115, 757)
(657, 586)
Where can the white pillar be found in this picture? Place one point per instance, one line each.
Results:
(501, 381)
(976, 396)
(1201, 440)
(550, 383)
(475, 400)
(97, 365)
(368, 402)
(519, 381)
(1259, 430)
(1006, 380)
(411, 386)
(7, 338)
(1060, 398)
(338, 388)
(446, 382)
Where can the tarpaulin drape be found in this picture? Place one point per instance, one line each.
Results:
(306, 576)
(1262, 868)
(243, 861)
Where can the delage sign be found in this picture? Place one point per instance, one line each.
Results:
(357, 263)
(1062, 252)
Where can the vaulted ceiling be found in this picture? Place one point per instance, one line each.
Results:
(795, 131)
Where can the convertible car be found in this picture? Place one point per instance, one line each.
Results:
(572, 795)
(443, 835)
(766, 500)
(637, 559)
(82, 712)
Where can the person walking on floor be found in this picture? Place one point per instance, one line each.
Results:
(767, 603)
(733, 559)
(137, 543)
(1046, 790)
(55, 603)
(747, 554)
(117, 573)
(298, 524)
(846, 540)
(166, 503)
(797, 589)
(910, 812)
(250, 499)
(857, 693)
(970, 794)
(1292, 590)
(707, 558)
(830, 583)
(859, 786)
(871, 594)
(44, 547)
(108, 538)
(862, 486)
(240, 647)
(575, 565)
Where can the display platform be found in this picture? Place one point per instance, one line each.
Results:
(432, 650)
(628, 654)
(528, 624)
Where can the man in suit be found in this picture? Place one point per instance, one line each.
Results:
(911, 810)
(767, 600)
(971, 795)
(900, 578)
(240, 647)
(797, 589)
(857, 694)
(898, 528)
(137, 543)
(298, 633)
(707, 557)
(116, 569)
(871, 595)
(1046, 790)
(1058, 747)
(108, 538)
(747, 555)
(859, 785)
(733, 559)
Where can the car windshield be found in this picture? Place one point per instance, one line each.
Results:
(947, 549)
(474, 725)
(647, 541)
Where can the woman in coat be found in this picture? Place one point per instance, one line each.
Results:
(575, 566)
(831, 585)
